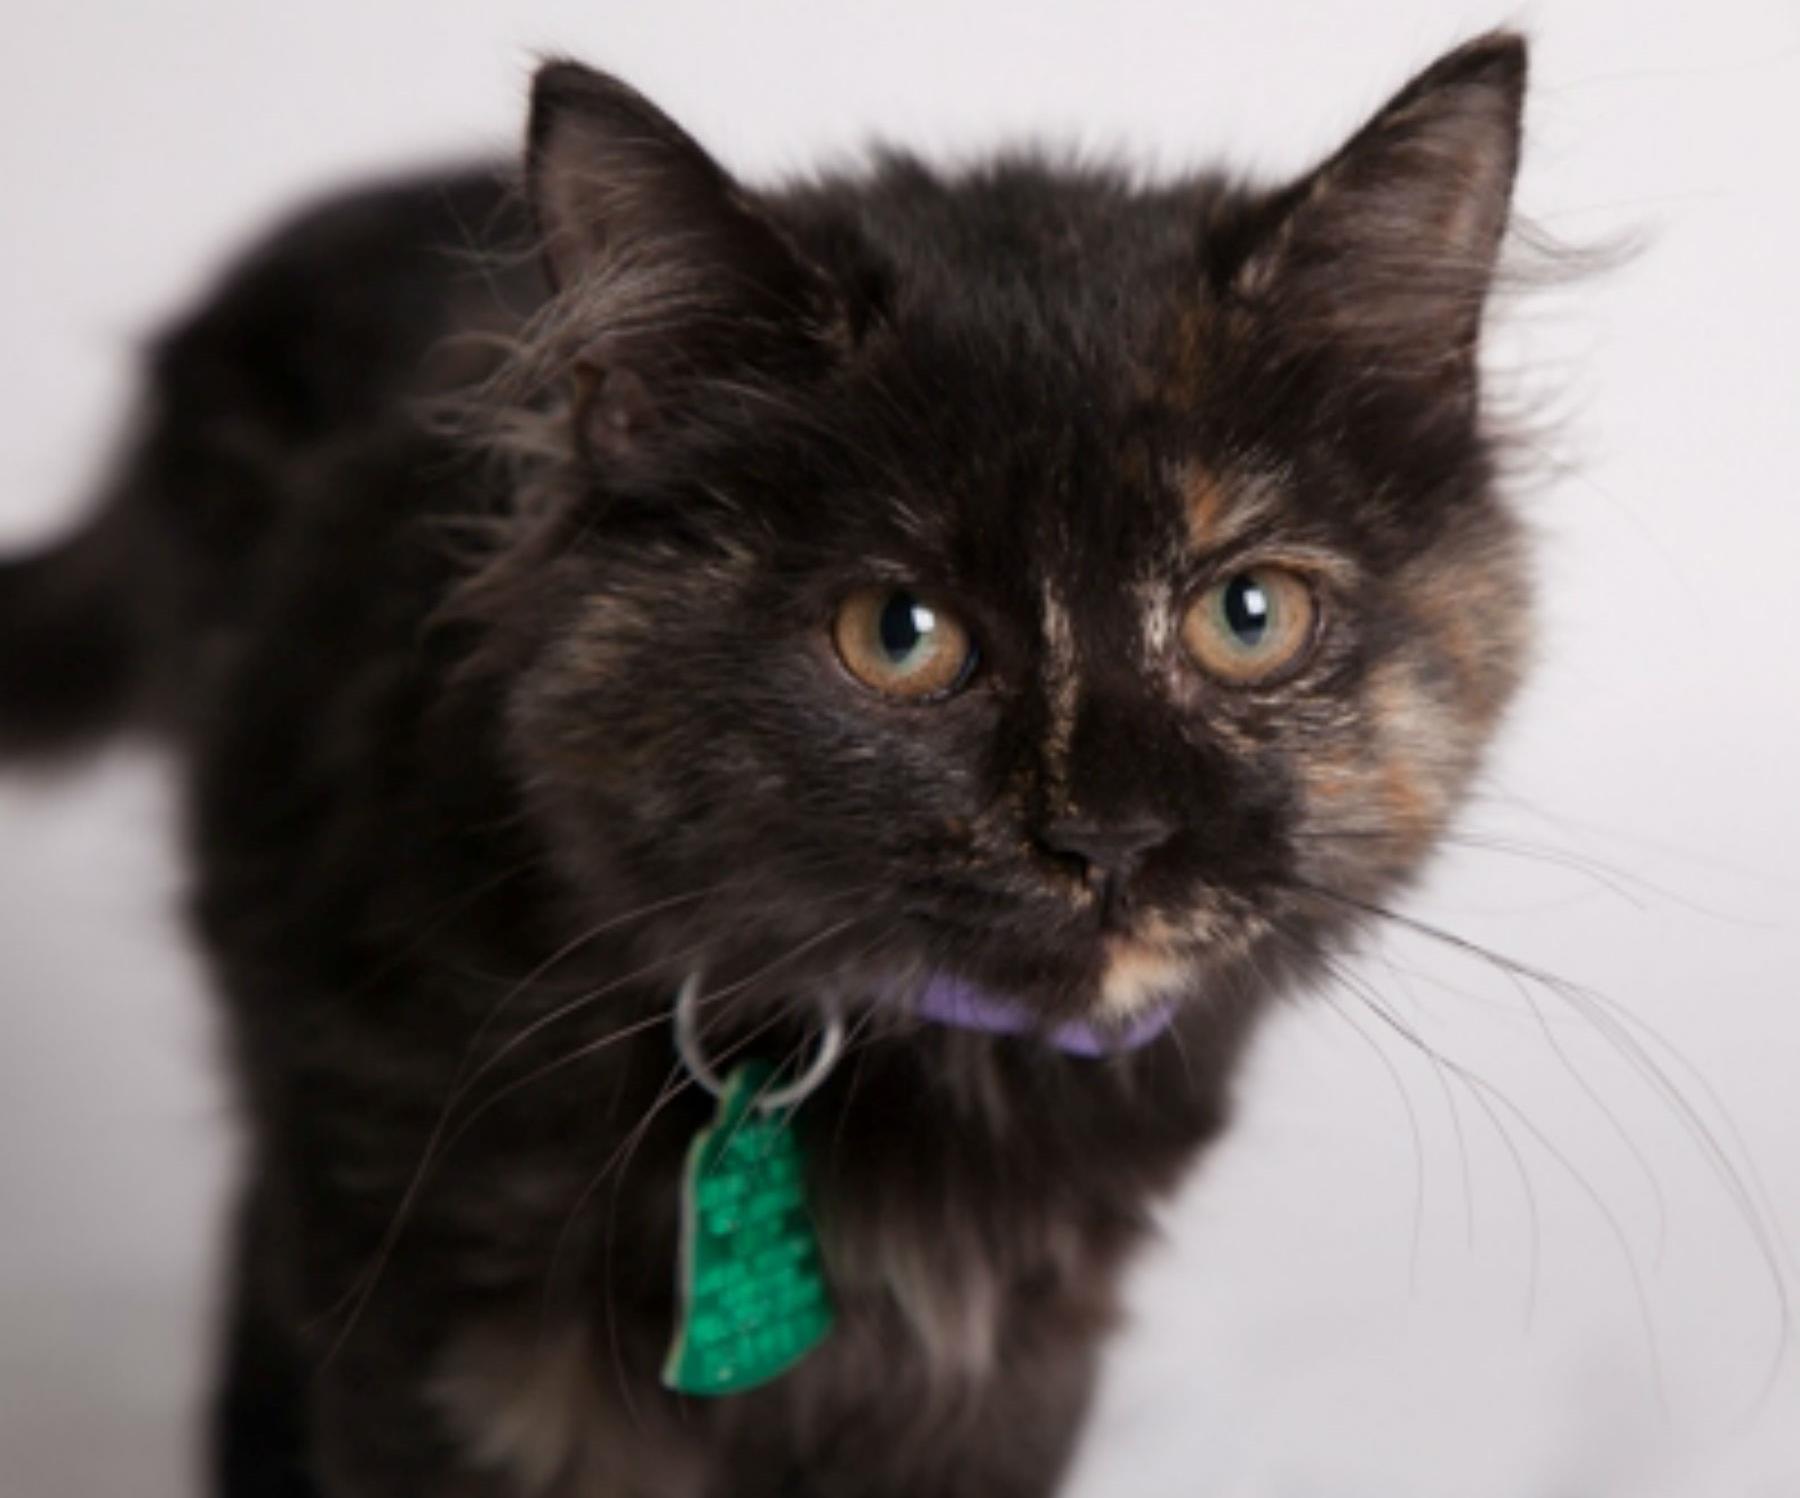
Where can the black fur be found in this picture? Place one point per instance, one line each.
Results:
(491, 608)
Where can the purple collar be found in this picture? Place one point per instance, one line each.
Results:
(963, 1006)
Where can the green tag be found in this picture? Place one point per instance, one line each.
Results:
(752, 1289)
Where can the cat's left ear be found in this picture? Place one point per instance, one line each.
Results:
(1388, 250)
(671, 271)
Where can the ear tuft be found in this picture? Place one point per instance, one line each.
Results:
(613, 411)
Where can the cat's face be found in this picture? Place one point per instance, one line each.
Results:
(1076, 590)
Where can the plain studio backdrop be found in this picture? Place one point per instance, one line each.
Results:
(1476, 1232)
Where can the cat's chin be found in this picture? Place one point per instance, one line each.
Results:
(1141, 973)
(1104, 983)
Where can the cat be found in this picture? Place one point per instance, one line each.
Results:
(980, 636)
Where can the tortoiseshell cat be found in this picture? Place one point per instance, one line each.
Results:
(1027, 615)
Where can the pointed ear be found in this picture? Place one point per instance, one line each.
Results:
(1388, 249)
(671, 272)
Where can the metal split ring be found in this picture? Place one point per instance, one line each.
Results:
(687, 1044)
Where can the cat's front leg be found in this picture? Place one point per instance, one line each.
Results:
(375, 1430)
(374, 1446)
(285, 1426)
(522, 1403)
(259, 1433)
(873, 1430)
(1021, 1442)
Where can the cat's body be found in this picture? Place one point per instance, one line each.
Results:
(498, 726)
(372, 868)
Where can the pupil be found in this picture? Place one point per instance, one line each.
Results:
(1247, 610)
(904, 622)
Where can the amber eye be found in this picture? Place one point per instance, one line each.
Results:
(1251, 626)
(900, 642)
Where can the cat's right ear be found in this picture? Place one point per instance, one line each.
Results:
(670, 272)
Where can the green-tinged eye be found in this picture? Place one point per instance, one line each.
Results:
(902, 643)
(1252, 626)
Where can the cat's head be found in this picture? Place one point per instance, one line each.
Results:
(1072, 588)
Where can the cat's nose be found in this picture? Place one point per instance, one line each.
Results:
(1109, 849)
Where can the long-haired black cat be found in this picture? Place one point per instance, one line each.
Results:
(968, 640)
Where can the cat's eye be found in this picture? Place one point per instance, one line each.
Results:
(902, 643)
(1252, 626)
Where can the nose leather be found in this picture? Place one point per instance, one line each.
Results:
(1112, 849)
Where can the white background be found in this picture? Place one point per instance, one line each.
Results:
(1366, 1291)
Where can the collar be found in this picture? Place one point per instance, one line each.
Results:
(962, 1005)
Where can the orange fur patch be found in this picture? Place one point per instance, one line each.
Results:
(1203, 502)
(1140, 969)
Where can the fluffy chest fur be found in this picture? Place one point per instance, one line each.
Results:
(969, 1245)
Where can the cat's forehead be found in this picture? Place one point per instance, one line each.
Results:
(1059, 465)
(1016, 257)
(1023, 221)
(1044, 397)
